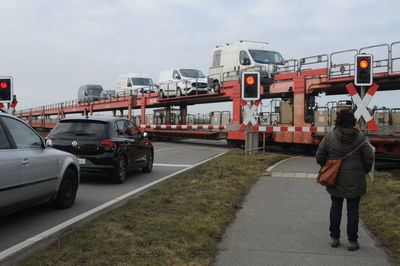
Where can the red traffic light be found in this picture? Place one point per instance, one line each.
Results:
(363, 64)
(3, 84)
(250, 80)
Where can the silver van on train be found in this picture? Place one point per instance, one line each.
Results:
(89, 93)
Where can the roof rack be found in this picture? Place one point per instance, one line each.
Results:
(253, 41)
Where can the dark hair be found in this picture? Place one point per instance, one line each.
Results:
(345, 118)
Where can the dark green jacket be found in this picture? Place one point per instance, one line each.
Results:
(350, 182)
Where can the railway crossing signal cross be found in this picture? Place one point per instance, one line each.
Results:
(362, 104)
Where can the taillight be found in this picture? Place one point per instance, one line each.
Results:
(108, 144)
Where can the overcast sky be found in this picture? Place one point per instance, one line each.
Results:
(52, 47)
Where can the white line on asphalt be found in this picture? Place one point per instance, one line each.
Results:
(165, 149)
(35, 239)
(173, 165)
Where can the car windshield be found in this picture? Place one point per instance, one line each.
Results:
(191, 73)
(142, 82)
(78, 129)
(94, 91)
(266, 57)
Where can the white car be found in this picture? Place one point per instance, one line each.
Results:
(181, 82)
(134, 84)
(32, 173)
(230, 60)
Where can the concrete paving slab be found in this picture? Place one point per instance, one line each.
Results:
(284, 221)
(277, 174)
(288, 174)
(304, 175)
(312, 175)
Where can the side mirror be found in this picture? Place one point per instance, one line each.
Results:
(245, 61)
(176, 76)
(48, 142)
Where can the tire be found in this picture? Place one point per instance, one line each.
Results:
(67, 191)
(119, 172)
(149, 167)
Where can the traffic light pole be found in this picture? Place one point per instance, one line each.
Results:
(363, 90)
(252, 138)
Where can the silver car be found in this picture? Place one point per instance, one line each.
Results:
(31, 173)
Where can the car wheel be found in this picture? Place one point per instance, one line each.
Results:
(149, 166)
(119, 172)
(67, 191)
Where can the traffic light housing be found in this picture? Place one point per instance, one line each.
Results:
(6, 93)
(250, 86)
(363, 70)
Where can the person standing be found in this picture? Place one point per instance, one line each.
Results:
(350, 182)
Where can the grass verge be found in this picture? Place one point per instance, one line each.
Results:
(380, 211)
(179, 222)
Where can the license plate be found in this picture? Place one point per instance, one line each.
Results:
(82, 160)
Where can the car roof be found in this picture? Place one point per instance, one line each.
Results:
(94, 118)
(5, 113)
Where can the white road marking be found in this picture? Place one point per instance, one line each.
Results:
(289, 174)
(173, 165)
(63, 226)
(165, 149)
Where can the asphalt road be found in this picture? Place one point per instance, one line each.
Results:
(170, 157)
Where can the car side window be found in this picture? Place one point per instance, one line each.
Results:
(4, 144)
(176, 75)
(24, 137)
(132, 129)
(244, 58)
(121, 128)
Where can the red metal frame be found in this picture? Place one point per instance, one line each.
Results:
(298, 84)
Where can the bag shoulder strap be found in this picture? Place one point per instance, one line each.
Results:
(355, 149)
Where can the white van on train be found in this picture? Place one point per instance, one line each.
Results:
(134, 84)
(228, 61)
(181, 82)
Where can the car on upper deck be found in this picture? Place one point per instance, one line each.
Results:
(89, 93)
(111, 145)
(230, 60)
(30, 172)
(179, 82)
(134, 84)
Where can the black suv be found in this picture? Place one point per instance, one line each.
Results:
(111, 144)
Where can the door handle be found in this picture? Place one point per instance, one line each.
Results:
(25, 162)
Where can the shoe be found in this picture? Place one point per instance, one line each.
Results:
(335, 242)
(353, 246)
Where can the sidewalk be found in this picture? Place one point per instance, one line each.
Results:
(285, 220)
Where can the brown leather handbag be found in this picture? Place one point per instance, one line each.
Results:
(328, 173)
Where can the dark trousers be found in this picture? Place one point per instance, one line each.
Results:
(352, 217)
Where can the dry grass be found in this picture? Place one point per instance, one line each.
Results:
(380, 210)
(178, 222)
